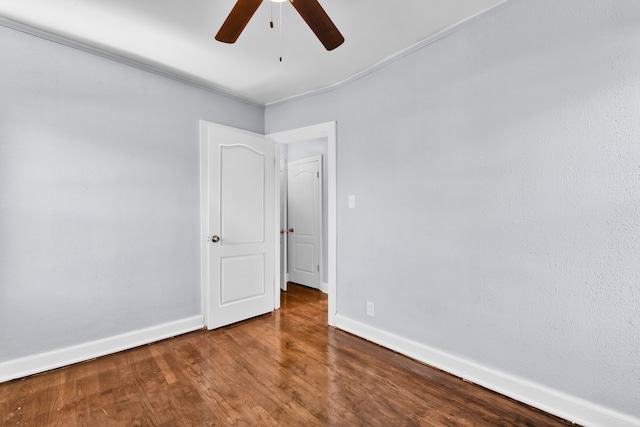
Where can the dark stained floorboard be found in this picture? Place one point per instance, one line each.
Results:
(286, 368)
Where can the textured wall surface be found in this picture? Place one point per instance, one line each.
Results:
(501, 164)
(99, 195)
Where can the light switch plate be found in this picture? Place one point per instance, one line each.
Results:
(352, 201)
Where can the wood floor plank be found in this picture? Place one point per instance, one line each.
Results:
(285, 368)
(297, 389)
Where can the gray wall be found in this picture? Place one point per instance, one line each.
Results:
(497, 181)
(99, 195)
(302, 150)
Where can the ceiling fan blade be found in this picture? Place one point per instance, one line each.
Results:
(319, 22)
(237, 20)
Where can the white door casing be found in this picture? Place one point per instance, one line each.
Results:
(237, 180)
(326, 130)
(304, 221)
(283, 223)
(323, 130)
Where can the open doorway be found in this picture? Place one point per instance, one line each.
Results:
(319, 135)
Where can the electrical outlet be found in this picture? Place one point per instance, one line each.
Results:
(352, 202)
(370, 309)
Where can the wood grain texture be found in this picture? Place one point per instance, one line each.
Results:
(237, 20)
(319, 22)
(282, 369)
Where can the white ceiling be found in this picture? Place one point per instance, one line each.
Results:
(177, 36)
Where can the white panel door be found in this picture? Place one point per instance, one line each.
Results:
(304, 195)
(241, 225)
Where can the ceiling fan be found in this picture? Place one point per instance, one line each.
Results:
(310, 10)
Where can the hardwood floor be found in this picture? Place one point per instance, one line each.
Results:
(282, 369)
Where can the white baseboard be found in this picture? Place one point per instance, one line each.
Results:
(324, 287)
(549, 400)
(42, 362)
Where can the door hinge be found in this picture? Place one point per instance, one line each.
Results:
(318, 268)
(318, 174)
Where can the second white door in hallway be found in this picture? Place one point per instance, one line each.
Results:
(304, 220)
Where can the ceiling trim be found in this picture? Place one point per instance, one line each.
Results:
(65, 41)
(432, 39)
(176, 76)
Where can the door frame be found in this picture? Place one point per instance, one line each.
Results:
(323, 130)
(284, 247)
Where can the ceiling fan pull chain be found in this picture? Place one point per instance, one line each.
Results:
(280, 32)
(271, 22)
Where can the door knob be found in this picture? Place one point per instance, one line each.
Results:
(215, 239)
(290, 230)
